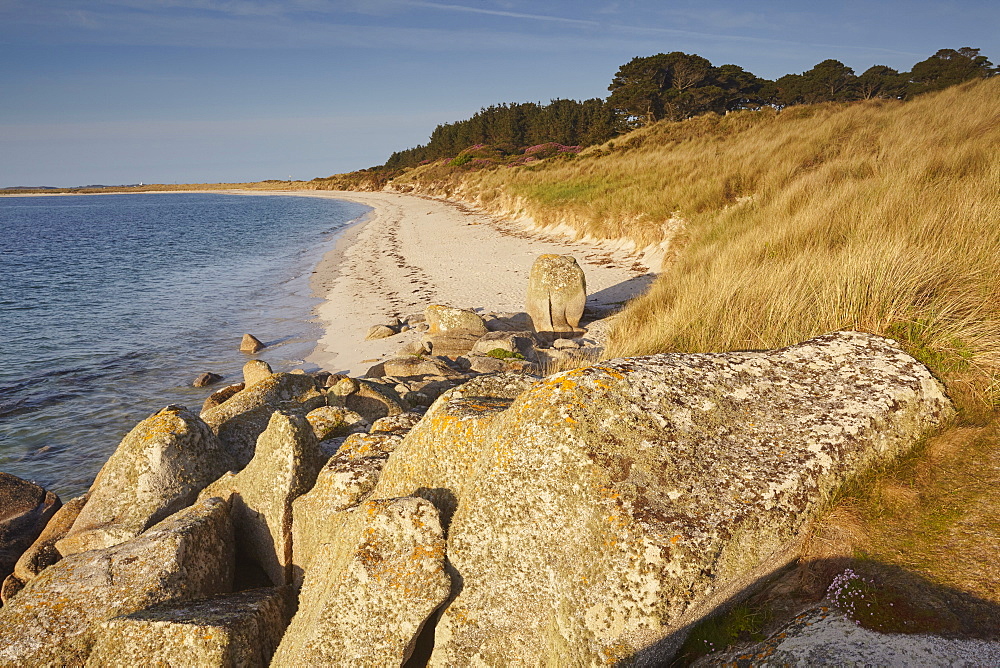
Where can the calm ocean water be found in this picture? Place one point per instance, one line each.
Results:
(110, 305)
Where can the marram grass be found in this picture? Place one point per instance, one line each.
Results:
(881, 216)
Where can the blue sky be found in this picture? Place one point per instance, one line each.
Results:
(122, 91)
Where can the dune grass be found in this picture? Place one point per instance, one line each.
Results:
(880, 216)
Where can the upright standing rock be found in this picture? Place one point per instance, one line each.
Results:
(557, 293)
(369, 591)
(158, 468)
(284, 466)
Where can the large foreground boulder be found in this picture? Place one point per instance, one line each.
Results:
(284, 467)
(605, 509)
(242, 418)
(53, 620)
(158, 468)
(368, 593)
(25, 508)
(239, 630)
(826, 636)
(317, 516)
(557, 293)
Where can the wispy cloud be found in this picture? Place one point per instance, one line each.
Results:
(508, 14)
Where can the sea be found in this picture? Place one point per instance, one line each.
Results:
(111, 305)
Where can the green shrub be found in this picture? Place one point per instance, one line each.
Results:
(501, 354)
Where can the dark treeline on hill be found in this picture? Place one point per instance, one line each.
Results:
(675, 86)
(512, 126)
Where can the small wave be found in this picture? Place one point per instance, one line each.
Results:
(30, 405)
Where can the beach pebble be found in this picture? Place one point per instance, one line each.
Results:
(379, 332)
(251, 344)
(205, 379)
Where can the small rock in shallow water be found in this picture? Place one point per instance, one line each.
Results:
(251, 344)
(205, 379)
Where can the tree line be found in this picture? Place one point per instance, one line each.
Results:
(677, 85)
(513, 126)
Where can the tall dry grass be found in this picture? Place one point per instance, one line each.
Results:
(881, 216)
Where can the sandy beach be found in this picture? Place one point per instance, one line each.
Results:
(412, 251)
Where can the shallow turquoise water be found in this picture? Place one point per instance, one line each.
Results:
(111, 304)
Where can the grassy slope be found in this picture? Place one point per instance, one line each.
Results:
(879, 216)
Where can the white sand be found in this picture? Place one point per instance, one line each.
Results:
(414, 251)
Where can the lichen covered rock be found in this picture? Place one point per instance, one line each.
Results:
(285, 466)
(362, 446)
(396, 424)
(317, 515)
(332, 421)
(606, 508)
(522, 343)
(255, 371)
(220, 396)
(241, 419)
(449, 320)
(412, 365)
(53, 620)
(557, 293)
(368, 593)
(157, 469)
(435, 460)
(369, 399)
(231, 630)
(826, 636)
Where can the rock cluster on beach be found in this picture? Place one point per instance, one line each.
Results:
(317, 519)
